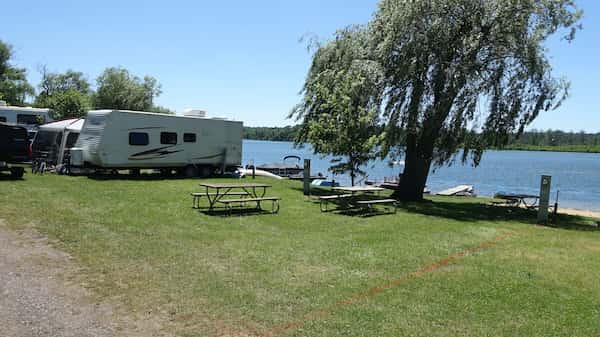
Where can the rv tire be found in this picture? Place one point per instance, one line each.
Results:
(206, 171)
(190, 171)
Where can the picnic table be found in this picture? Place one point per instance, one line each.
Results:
(527, 200)
(347, 195)
(215, 193)
(358, 189)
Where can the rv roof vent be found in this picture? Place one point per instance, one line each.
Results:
(194, 113)
(3, 103)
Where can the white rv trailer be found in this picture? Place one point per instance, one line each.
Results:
(27, 117)
(56, 139)
(117, 139)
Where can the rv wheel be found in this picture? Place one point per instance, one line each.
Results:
(206, 171)
(190, 171)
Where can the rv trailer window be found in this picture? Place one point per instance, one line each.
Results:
(29, 119)
(138, 138)
(2, 119)
(168, 138)
(189, 137)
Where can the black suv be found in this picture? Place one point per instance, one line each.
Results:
(14, 148)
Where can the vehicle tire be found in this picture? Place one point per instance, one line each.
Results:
(206, 171)
(190, 171)
(17, 172)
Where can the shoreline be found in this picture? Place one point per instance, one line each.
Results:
(579, 212)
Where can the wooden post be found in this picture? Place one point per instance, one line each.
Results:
(306, 176)
(544, 200)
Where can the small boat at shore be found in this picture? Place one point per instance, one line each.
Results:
(325, 183)
(459, 191)
(283, 169)
(259, 173)
(300, 176)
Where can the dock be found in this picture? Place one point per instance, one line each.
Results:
(462, 190)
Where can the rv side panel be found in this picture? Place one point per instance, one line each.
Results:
(124, 139)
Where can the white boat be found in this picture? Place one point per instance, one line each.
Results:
(258, 173)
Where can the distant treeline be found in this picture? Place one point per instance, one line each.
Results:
(551, 140)
(554, 140)
(284, 134)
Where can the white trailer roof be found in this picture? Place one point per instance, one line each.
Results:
(107, 111)
(74, 124)
(23, 109)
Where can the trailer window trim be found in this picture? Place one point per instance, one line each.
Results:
(139, 139)
(189, 137)
(169, 138)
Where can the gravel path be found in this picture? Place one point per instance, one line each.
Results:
(40, 294)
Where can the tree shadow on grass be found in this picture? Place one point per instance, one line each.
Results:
(480, 210)
(361, 212)
(225, 213)
(7, 177)
(476, 210)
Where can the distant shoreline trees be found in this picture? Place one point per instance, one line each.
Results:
(549, 140)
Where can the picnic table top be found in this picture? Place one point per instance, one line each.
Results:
(358, 189)
(516, 196)
(233, 185)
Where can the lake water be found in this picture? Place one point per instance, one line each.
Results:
(576, 175)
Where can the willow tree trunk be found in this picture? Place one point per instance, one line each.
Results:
(419, 152)
(416, 169)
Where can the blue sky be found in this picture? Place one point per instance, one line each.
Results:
(239, 59)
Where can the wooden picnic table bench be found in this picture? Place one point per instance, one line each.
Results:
(242, 201)
(350, 198)
(517, 200)
(327, 198)
(216, 191)
(198, 195)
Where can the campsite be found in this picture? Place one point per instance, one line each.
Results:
(279, 168)
(449, 267)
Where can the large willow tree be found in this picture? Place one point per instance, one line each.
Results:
(458, 74)
(464, 73)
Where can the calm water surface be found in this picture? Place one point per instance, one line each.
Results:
(576, 175)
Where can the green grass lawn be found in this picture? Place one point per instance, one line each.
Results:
(306, 273)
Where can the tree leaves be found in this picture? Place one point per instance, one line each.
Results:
(341, 104)
(118, 89)
(14, 88)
